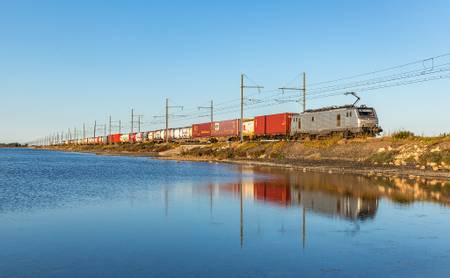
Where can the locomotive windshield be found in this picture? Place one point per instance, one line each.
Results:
(366, 112)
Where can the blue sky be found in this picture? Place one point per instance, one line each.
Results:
(63, 63)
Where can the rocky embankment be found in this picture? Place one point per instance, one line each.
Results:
(415, 156)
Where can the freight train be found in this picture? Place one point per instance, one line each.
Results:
(347, 121)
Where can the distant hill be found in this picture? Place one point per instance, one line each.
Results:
(12, 145)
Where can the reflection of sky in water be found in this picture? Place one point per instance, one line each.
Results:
(85, 215)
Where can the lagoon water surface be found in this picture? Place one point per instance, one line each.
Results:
(82, 215)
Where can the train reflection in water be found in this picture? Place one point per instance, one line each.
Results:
(352, 198)
(307, 191)
(289, 190)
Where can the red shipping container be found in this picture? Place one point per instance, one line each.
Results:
(114, 138)
(132, 137)
(201, 130)
(273, 125)
(229, 128)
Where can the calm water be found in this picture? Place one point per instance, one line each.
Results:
(81, 215)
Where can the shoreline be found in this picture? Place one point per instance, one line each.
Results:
(319, 166)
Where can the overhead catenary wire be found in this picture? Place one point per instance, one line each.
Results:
(419, 71)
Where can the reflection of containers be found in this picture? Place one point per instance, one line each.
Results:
(201, 130)
(343, 206)
(270, 192)
(273, 125)
(248, 190)
(229, 128)
(114, 138)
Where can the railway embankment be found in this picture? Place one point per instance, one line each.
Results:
(410, 156)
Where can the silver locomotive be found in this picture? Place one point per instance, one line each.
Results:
(348, 121)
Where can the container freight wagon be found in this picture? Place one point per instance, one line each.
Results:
(114, 138)
(275, 125)
(225, 129)
(125, 138)
(200, 131)
(248, 128)
(132, 137)
(151, 136)
(170, 134)
(99, 140)
(182, 133)
(141, 136)
(160, 135)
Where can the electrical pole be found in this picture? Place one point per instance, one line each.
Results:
(211, 109)
(166, 138)
(166, 135)
(302, 89)
(132, 120)
(139, 123)
(241, 124)
(109, 125)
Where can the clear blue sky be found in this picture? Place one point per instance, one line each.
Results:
(63, 63)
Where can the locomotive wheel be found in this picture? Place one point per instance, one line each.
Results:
(348, 134)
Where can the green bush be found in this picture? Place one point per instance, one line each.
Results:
(383, 157)
(436, 157)
(402, 134)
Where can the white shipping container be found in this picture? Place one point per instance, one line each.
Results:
(186, 132)
(158, 135)
(139, 137)
(248, 127)
(150, 135)
(177, 133)
(124, 138)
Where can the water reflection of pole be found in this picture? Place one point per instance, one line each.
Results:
(210, 199)
(304, 228)
(166, 201)
(242, 216)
